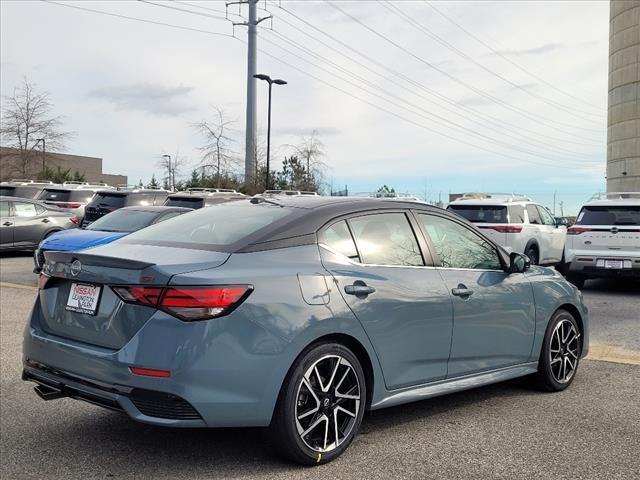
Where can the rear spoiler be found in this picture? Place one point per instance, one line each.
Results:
(96, 260)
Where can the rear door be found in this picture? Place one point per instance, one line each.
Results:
(494, 313)
(402, 304)
(6, 224)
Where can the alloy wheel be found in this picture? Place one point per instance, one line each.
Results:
(327, 403)
(564, 351)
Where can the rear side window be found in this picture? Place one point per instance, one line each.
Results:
(609, 215)
(386, 239)
(50, 195)
(4, 209)
(338, 238)
(516, 214)
(221, 225)
(82, 196)
(481, 213)
(108, 200)
(534, 216)
(184, 202)
(27, 192)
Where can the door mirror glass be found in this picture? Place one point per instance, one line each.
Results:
(518, 263)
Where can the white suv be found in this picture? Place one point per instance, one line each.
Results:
(605, 241)
(516, 223)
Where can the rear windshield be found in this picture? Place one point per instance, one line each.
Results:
(108, 200)
(481, 213)
(7, 191)
(186, 202)
(222, 225)
(124, 221)
(609, 215)
(51, 195)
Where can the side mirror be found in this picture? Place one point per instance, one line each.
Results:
(518, 263)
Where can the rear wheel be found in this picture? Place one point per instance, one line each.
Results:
(532, 253)
(321, 405)
(560, 354)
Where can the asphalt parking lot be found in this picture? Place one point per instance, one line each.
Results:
(502, 431)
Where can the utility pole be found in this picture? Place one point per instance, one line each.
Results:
(172, 178)
(561, 208)
(554, 202)
(44, 153)
(251, 133)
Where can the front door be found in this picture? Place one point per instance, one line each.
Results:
(6, 225)
(493, 311)
(402, 304)
(555, 237)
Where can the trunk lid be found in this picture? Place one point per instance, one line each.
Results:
(114, 323)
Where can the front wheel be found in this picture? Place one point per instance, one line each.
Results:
(321, 405)
(560, 356)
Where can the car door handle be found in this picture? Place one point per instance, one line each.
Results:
(45, 220)
(359, 289)
(462, 291)
(7, 224)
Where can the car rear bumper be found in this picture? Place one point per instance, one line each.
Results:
(216, 379)
(604, 265)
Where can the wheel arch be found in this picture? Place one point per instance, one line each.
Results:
(532, 243)
(573, 310)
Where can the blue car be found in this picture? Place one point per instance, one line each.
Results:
(105, 230)
(297, 314)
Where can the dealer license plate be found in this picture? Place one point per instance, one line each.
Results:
(83, 298)
(615, 264)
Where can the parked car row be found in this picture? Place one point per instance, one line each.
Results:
(297, 313)
(604, 241)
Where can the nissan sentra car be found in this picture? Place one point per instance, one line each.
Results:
(297, 314)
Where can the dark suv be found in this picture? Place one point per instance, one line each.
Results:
(198, 198)
(109, 200)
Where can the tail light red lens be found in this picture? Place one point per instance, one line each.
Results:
(68, 204)
(577, 230)
(188, 303)
(75, 220)
(508, 228)
(150, 372)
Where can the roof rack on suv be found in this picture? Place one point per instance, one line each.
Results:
(507, 197)
(137, 188)
(209, 190)
(614, 195)
(292, 193)
(26, 181)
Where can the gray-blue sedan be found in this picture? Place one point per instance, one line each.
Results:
(297, 313)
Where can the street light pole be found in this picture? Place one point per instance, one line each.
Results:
(171, 178)
(270, 81)
(44, 148)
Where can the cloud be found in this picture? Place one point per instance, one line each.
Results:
(155, 99)
(546, 48)
(306, 131)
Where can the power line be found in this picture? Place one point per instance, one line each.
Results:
(582, 141)
(482, 93)
(110, 14)
(427, 32)
(490, 139)
(217, 17)
(511, 61)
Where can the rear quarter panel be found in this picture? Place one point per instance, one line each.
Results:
(550, 292)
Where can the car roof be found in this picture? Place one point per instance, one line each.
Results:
(618, 202)
(131, 192)
(489, 202)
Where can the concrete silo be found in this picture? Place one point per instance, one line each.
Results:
(623, 132)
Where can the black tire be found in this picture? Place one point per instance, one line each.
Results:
(556, 355)
(533, 254)
(575, 279)
(283, 431)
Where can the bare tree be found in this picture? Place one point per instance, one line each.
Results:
(217, 152)
(26, 122)
(172, 165)
(311, 153)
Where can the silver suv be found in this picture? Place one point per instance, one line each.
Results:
(516, 223)
(605, 240)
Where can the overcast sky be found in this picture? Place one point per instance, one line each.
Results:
(427, 97)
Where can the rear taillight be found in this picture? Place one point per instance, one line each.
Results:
(68, 204)
(577, 230)
(188, 303)
(508, 228)
(75, 220)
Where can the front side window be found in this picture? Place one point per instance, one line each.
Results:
(4, 209)
(338, 238)
(459, 247)
(25, 209)
(534, 216)
(386, 239)
(547, 218)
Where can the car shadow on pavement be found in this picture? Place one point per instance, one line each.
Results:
(120, 442)
(613, 285)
